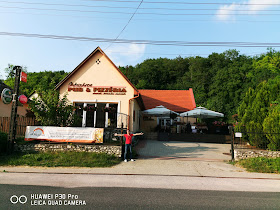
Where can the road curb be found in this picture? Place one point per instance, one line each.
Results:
(124, 174)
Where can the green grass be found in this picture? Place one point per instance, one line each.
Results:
(261, 164)
(57, 159)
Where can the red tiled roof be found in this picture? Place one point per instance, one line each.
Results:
(175, 100)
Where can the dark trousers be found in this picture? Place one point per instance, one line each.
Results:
(127, 147)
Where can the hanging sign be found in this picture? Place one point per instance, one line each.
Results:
(23, 77)
(22, 99)
(6, 96)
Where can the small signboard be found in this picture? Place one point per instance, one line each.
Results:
(6, 96)
(23, 77)
(238, 134)
(22, 99)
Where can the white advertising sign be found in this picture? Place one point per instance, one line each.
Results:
(64, 134)
(237, 134)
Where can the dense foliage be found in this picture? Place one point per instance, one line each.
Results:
(259, 115)
(3, 142)
(259, 111)
(45, 80)
(51, 110)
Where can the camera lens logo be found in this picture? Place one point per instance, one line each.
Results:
(21, 199)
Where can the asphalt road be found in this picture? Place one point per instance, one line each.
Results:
(130, 198)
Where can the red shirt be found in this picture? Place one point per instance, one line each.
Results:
(128, 138)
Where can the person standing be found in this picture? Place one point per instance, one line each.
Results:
(128, 140)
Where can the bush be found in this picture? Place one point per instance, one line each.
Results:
(261, 164)
(51, 110)
(271, 126)
(3, 142)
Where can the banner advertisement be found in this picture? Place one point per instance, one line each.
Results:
(64, 134)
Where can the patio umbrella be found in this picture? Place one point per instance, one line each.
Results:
(201, 112)
(159, 111)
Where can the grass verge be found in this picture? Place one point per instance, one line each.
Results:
(56, 159)
(260, 164)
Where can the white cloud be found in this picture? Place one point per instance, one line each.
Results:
(261, 7)
(225, 13)
(126, 54)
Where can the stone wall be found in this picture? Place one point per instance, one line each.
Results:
(246, 153)
(116, 150)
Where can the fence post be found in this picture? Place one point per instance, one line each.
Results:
(232, 142)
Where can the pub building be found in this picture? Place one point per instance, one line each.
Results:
(104, 96)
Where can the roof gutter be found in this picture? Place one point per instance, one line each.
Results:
(128, 119)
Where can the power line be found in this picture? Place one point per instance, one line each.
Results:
(68, 5)
(156, 53)
(181, 54)
(63, 10)
(142, 19)
(126, 24)
(176, 54)
(146, 42)
(143, 8)
(129, 13)
(194, 3)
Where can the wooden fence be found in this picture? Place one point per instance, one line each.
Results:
(22, 122)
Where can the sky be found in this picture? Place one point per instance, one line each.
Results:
(171, 28)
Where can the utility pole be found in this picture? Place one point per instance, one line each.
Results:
(13, 121)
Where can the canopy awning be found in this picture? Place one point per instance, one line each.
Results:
(201, 112)
(159, 111)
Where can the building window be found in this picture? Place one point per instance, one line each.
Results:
(112, 116)
(98, 115)
(79, 114)
(90, 112)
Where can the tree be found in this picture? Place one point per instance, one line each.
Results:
(265, 67)
(271, 127)
(45, 80)
(256, 114)
(227, 88)
(50, 110)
